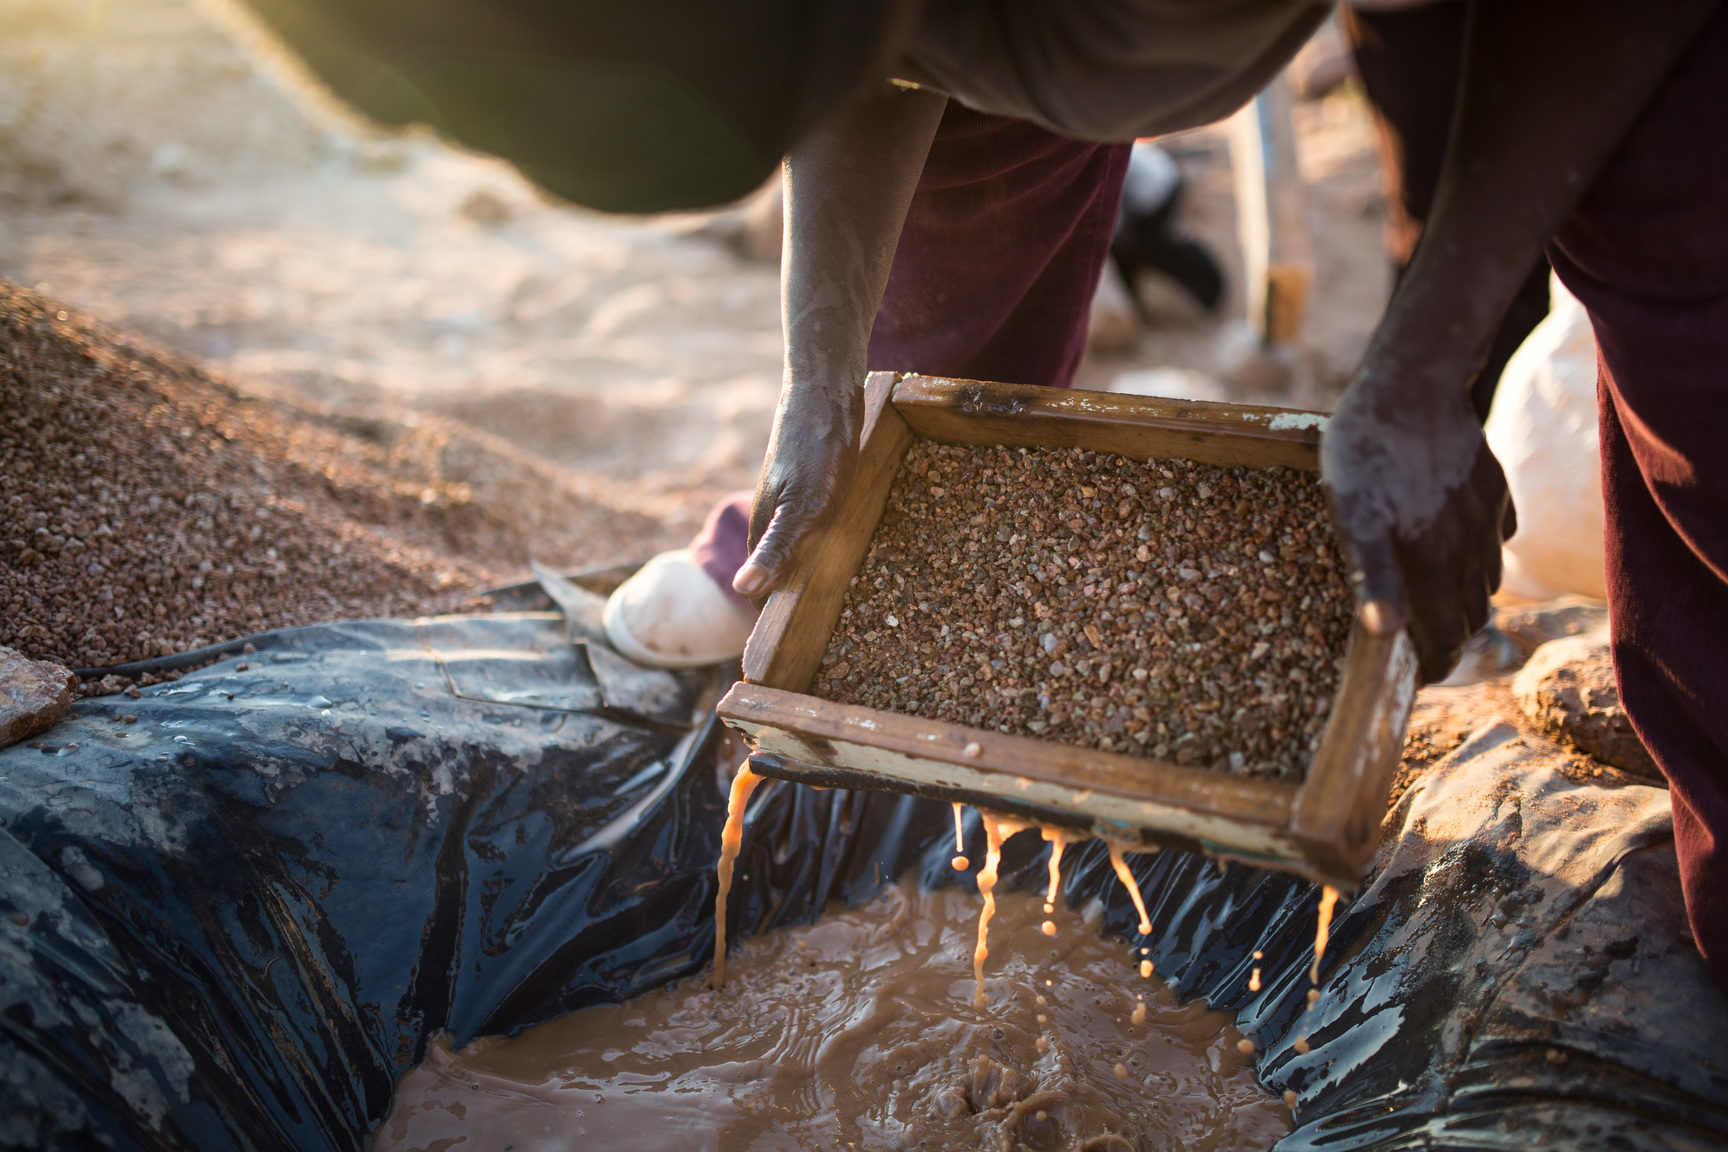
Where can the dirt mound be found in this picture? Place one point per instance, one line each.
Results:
(1568, 691)
(147, 507)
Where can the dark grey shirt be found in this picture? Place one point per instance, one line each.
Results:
(1107, 69)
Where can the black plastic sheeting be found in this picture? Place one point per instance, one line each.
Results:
(235, 922)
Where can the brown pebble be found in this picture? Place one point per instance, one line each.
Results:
(1121, 1071)
(1289, 1098)
(242, 667)
(34, 695)
(1245, 1046)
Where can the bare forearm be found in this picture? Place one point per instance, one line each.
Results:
(1550, 89)
(847, 190)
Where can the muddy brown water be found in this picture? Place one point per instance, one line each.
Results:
(859, 1031)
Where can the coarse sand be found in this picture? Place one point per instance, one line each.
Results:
(148, 508)
(1165, 608)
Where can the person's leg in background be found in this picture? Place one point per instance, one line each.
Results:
(1411, 62)
(1149, 240)
(992, 280)
(1647, 254)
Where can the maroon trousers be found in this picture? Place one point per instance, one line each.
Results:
(1647, 253)
(1000, 253)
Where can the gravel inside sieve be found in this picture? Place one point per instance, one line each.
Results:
(1169, 609)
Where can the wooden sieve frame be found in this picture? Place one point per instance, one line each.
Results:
(1325, 828)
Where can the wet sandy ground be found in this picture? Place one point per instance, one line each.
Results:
(859, 1032)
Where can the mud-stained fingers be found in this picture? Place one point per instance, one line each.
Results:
(1497, 510)
(762, 508)
(775, 552)
(754, 578)
(1432, 566)
(1487, 513)
(1479, 562)
(1488, 481)
(1383, 603)
(1438, 623)
(1447, 577)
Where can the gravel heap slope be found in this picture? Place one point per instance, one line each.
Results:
(147, 507)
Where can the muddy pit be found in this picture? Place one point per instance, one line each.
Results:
(859, 1031)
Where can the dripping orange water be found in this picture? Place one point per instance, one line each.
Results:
(1058, 840)
(731, 839)
(1328, 898)
(1131, 884)
(986, 889)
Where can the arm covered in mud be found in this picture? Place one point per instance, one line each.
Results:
(1420, 504)
(848, 186)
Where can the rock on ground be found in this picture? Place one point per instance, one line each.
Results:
(1529, 627)
(1482, 691)
(1569, 693)
(33, 695)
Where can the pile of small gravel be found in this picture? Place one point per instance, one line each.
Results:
(147, 508)
(1166, 609)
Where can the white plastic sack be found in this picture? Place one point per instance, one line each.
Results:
(1543, 430)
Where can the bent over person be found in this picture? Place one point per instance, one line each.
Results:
(1590, 127)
